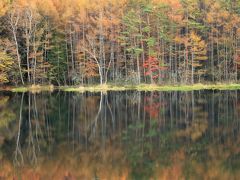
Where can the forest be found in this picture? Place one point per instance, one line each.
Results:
(81, 42)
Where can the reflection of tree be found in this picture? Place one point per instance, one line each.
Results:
(30, 123)
(152, 105)
(18, 151)
(188, 138)
(199, 124)
(7, 117)
(93, 125)
(6, 114)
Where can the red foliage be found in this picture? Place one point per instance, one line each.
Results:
(152, 105)
(153, 110)
(152, 67)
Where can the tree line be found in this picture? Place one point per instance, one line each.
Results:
(119, 41)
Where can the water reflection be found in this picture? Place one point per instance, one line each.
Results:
(120, 135)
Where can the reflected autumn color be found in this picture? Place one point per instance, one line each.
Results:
(120, 135)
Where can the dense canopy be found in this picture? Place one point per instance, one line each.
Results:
(119, 41)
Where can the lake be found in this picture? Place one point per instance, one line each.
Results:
(120, 135)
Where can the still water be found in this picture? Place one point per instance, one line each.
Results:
(120, 135)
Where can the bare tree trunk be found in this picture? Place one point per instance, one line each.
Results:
(67, 58)
(14, 25)
(192, 70)
(138, 63)
(71, 47)
(35, 58)
(212, 57)
(102, 58)
(28, 33)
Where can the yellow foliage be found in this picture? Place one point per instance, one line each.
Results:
(198, 47)
(3, 7)
(5, 65)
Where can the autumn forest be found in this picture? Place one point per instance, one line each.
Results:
(76, 42)
(119, 89)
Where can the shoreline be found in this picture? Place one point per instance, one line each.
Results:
(110, 87)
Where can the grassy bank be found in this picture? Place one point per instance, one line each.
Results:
(144, 87)
(109, 87)
(97, 88)
(153, 87)
(32, 88)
